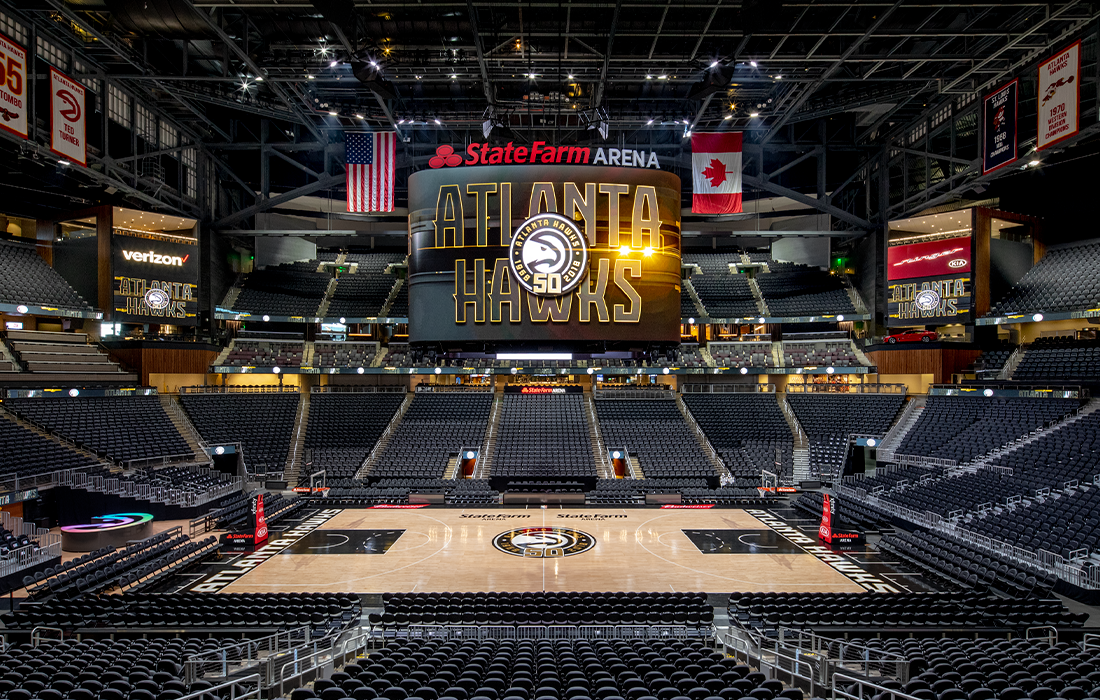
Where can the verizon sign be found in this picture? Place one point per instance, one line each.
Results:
(67, 118)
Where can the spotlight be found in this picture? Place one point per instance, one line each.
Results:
(778, 77)
(22, 309)
(591, 370)
(624, 250)
(830, 370)
(219, 450)
(438, 370)
(1033, 163)
(74, 392)
(515, 370)
(754, 115)
(333, 64)
(1037, 317)
(275, 370)
(664, 371)
(359, 116)
(616, 455)
(760, 320)
(266, 318)
(63, 163)
(840, 317)
(647, 251)
(470, 454)
(649, 122)
(988, 392)
(374, 64)
(752, 63)
(570, 76)
(359, 371)
(333, 114)
(871, 442)
(259, 78)
(744, 370)
(310, 77)
(714, 64)
(728, 116)
(437, 121)
(342, 320)
(691, 321)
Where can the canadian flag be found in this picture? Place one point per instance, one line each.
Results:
(716, 173)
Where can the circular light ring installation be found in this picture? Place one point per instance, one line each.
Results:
(115, 521)
(544, 542)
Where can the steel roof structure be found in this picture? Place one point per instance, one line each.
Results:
(865, 111)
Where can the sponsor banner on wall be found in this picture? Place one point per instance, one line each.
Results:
(1059, 96)
(156, 278)
(13, 87)
(928, 258)
(999, 135)
(929, 301)
(67, 118)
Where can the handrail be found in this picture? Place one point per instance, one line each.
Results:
(36, 636)
(232, 685)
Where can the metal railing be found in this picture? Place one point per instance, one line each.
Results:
(357, 389)
(241, 389)
(648, 394)
(169, 495)
(841, 688)
(234, 688)
(874, 388)
(555, 632)
(231, 660)
(728, 389)
(384, 438)
(453, 388)
(701, 438)
(295, 668)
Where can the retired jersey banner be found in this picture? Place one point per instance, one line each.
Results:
(13, 87)
(999, 127)
(67, 118)
(1059, 96)
(716, 173)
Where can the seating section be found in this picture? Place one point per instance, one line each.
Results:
(1008, 669)
(545, 608)
(324, 611)
(828, 419)
(55, 352)
(737, 355)
(725, 295)
(465, 492)
(1066, 454)
(364, 293)
(687, 304)
(265, 353)
(549, 668)
(343, 429)
(25, 278)
(946, 561)
(543, 435)
(121, 428)
(893, 476)
(800, 290)
(655, 432)
(399, 308)
(25, 453)
(352, 355)
(848, 514)
(262, 423)
(747, 430)
(1059, 359)
(431, 433)
(681, 356)
(104, 668)
(963, 428)
(992, 361)
(821, 354)
(290, 289)
(1064, 280)
(961, 493)
(896, 610)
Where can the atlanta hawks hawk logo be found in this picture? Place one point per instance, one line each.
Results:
(548, 255)
(544, 542)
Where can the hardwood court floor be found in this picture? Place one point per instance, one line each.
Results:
(636, 550)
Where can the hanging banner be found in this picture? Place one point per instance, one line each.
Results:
(999, 136)
(67, 118)
(1059, 97)
(13, 83)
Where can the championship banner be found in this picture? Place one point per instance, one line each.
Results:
(999, 135)
(67, 118)
(13, 81)
(1059, 97)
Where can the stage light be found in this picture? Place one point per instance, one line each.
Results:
(871, 442)
(616, 455)
(74, 392)
(534, 356)
(988, 392)
(438, 370)
(310, 77)
(275, 370)
(829, 370)
(437, 121)
(728, 116)
(570, 76)
(754, 115)
(647, 251)
(22, 309)
(359, 116)
(1033, 163)
(840, 317)
(664, 371)
(591, 370)
(744, 370)
(342, 320)
(1037, 318)
(470, 454)
(219, 450)
(359, 371)
(691, 321)
(266, 318)
(333, 64)
(624, 250)
(714, 64)
(259, 78)
(649, 122)
(778, 77)
(752, 63)
(63, 163)
(760, 320)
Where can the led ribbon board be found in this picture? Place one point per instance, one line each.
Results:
(544, 253)
(115, 529)
(110, 522)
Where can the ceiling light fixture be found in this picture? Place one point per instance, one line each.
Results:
(752, 63)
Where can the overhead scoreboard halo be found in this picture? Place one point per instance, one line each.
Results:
(544, 253)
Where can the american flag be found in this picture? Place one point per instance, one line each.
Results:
(370, 160)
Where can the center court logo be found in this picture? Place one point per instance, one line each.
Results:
(548, 255)
(544, 542)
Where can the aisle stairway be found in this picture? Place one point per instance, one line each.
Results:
(387, 436)
(801, 453)
(599, 452)
(489, 443)
(894, 437)
(293, 468)
(701, 437)
(185, 427)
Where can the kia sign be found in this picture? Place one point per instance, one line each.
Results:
(67, 118)
(156, 278)
(541, 253)
(13, 87)
(928, 259)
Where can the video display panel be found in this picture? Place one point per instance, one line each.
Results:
(155, 278)
(544, 253)
(929, 282)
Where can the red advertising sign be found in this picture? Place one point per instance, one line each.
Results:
(261, 520)
(825, 530)
(929, 259)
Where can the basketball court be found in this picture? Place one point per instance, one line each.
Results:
(548, 549)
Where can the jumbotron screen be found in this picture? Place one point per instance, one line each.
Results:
(156, 278)
(544, 253)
